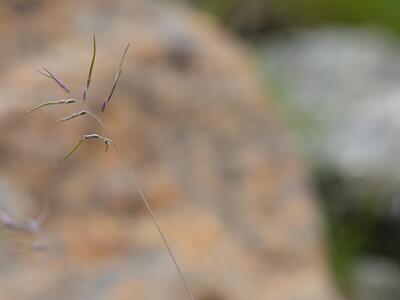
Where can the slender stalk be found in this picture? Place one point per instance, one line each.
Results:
(147, 204)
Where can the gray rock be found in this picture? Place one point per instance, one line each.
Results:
(344, 85)
(377, 278)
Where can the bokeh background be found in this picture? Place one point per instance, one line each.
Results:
(333, 68)
(265, 133)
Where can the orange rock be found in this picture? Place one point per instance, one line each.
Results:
(192, 119)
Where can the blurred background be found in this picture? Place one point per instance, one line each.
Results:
(333, 68)
(264, 132)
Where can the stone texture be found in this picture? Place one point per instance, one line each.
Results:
(192, 120)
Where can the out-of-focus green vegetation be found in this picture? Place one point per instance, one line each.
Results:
(351, 222)
(259, 16)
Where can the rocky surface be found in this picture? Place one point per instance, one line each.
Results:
(191, 118)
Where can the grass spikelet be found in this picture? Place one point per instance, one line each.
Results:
(73, 116)
(90, 70)
(103, 107)
(57, 80)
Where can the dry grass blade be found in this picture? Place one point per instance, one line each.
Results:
(76, 146)
(63, 101)
(103, 107)
(56, 79)
(90, 69)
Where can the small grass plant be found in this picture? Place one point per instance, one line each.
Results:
(34, 226)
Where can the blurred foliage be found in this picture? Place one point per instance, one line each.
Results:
(352, 222)
(260, 16)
